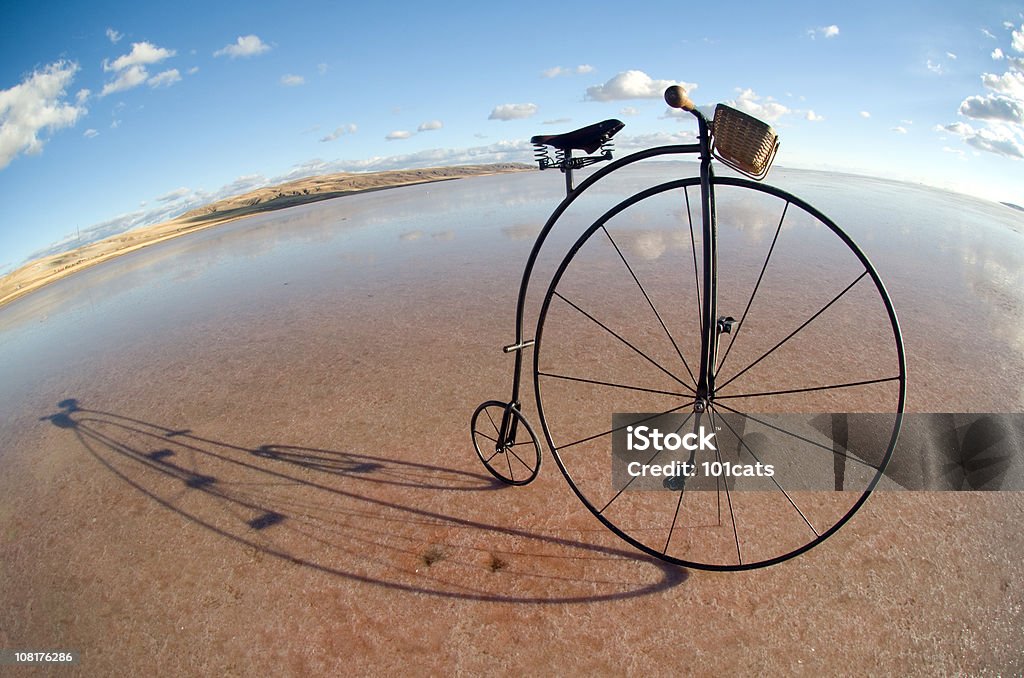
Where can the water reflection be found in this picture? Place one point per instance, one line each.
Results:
(953, 265)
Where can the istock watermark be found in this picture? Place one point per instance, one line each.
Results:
(674, 457)
(721, 451)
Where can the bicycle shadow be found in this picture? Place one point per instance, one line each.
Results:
(373, 519)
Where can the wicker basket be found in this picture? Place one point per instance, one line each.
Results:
(743, 142)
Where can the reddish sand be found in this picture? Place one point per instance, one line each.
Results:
(280, 481)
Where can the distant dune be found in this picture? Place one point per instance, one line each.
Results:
(47, 269)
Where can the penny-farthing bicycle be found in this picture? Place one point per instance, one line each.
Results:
(718, 368)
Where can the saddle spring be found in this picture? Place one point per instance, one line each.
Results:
(540, 154)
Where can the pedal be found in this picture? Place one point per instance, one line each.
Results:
(725, 324)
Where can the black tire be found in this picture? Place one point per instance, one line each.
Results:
(511, 457)
(618, 333)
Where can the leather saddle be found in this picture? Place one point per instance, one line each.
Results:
(587, 139)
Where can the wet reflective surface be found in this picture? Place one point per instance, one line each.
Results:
(954, 268)
(282, 404)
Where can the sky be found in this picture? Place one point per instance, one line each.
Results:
(115, 115)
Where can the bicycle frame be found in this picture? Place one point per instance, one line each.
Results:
(709, 326)
(504, 437)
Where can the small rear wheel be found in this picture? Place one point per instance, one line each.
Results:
(505, 442)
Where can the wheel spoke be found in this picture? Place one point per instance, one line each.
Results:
(650, 303)
(796, 331)
(649, 462)
(496, 429)
(774, 480)
(509, 450)
(481, 433)
(609, 383)
(851, 384)
(753, 293)
(619, 428)
(675, 516)
(728, 499)
(693, 247)
(624, 341)
(814, 443)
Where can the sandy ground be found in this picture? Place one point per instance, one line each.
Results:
(35, 274)
(282, 483)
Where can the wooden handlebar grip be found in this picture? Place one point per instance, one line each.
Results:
(675, 96)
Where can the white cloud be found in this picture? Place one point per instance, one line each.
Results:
(988, 33)
(321, 69)
(34, 105)
(398, 134)
(993, 107)
(899, 130)
(582, 69)
(114, 36)
(1018, 39)
(557, 121)
(133, 76)
(951, 56)
(340, 131)
(193, 70)
(825, 31)
(430, 125)
(501, 151)
(865, 114)
(641, 141)
(512, 111)
(142, 54)
(165, 79)
(90, 133)
(244, 46)
(633, 85)
(1010, 83)
(763, 108)
(814, 117)
(131, 70)
(1000, 112)
(679, 115)
(630, 110)
(933, 67)
(82, 96)
(291, 80)
(175, 195)
(995, 138)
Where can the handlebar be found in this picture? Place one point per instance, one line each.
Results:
(675, 96)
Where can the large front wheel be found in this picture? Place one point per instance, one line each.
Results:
(809, 382)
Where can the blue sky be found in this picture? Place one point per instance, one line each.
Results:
(115, 114)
